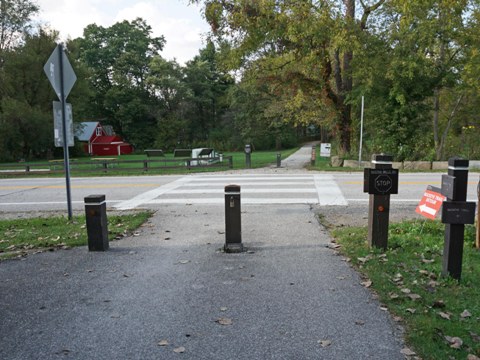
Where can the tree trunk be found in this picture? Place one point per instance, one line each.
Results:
(436, 111)
(346, 87)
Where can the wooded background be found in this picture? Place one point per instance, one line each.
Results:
(272, 73)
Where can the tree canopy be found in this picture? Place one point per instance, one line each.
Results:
(272, 73)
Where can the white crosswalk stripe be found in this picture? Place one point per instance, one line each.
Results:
(319, 189)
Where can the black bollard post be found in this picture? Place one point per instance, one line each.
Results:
(314, 155)
(97, 226)
(456, 212)
(279, 160)
(248, 154)
(233, 223)
(380, 181)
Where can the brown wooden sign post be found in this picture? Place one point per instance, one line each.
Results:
(380, 180)
(477, 240)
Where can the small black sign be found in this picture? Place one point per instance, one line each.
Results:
(448, 186)
(380, 181)
(458, 212)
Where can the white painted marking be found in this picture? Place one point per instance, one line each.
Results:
(243, 191)
(263, 183)
(247, 201)
(152, 194)
(211, 178)
(54, 203)
(328, 191)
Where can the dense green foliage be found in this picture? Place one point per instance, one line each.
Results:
(271, 73)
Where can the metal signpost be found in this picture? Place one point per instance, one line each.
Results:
(62, 77)
(379, 181)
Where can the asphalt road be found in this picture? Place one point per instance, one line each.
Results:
(264, 186)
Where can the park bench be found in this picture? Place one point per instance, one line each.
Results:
(182, 153)
(154, 153)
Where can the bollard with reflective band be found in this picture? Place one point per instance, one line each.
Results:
(233, 223)
(456, 212)
(279, 160)
(379, 181)
(97, 226)
(248, 156)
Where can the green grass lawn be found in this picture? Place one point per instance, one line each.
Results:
(133, 164)
(23, 236)
(441, 315)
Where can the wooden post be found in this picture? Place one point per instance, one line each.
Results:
(477, 240)
(454, 232)
(379, 205)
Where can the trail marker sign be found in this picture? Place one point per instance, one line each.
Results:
(431, 203)
(380, 181)
(325, 149)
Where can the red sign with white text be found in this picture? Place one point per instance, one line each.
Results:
(430, 204)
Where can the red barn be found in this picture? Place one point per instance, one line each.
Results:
(101, 140)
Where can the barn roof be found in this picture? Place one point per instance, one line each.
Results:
(85, 130)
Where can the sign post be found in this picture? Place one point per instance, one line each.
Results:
(62, 77)
(477, 240)
(379, 181)
(456, 212)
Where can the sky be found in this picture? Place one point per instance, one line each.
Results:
(181, 24)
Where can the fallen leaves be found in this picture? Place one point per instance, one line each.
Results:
(366, 284)
(455, 342)
(325, 343)
(163, 343)
(224, 321)
(408, 352)
(179, 350)
(444, 315)
(414, 296)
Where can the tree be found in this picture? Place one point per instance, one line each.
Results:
(26, 107)
(15, 16)
(309, 42)
(118, 59)
(167, 86)
(209, 86)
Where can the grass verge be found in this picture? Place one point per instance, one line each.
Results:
(441, 315)
(21, 237)
(133, 165)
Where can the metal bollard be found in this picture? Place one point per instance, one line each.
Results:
(96, 218)
(248, 154)
(279, 160)
(233, 223)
